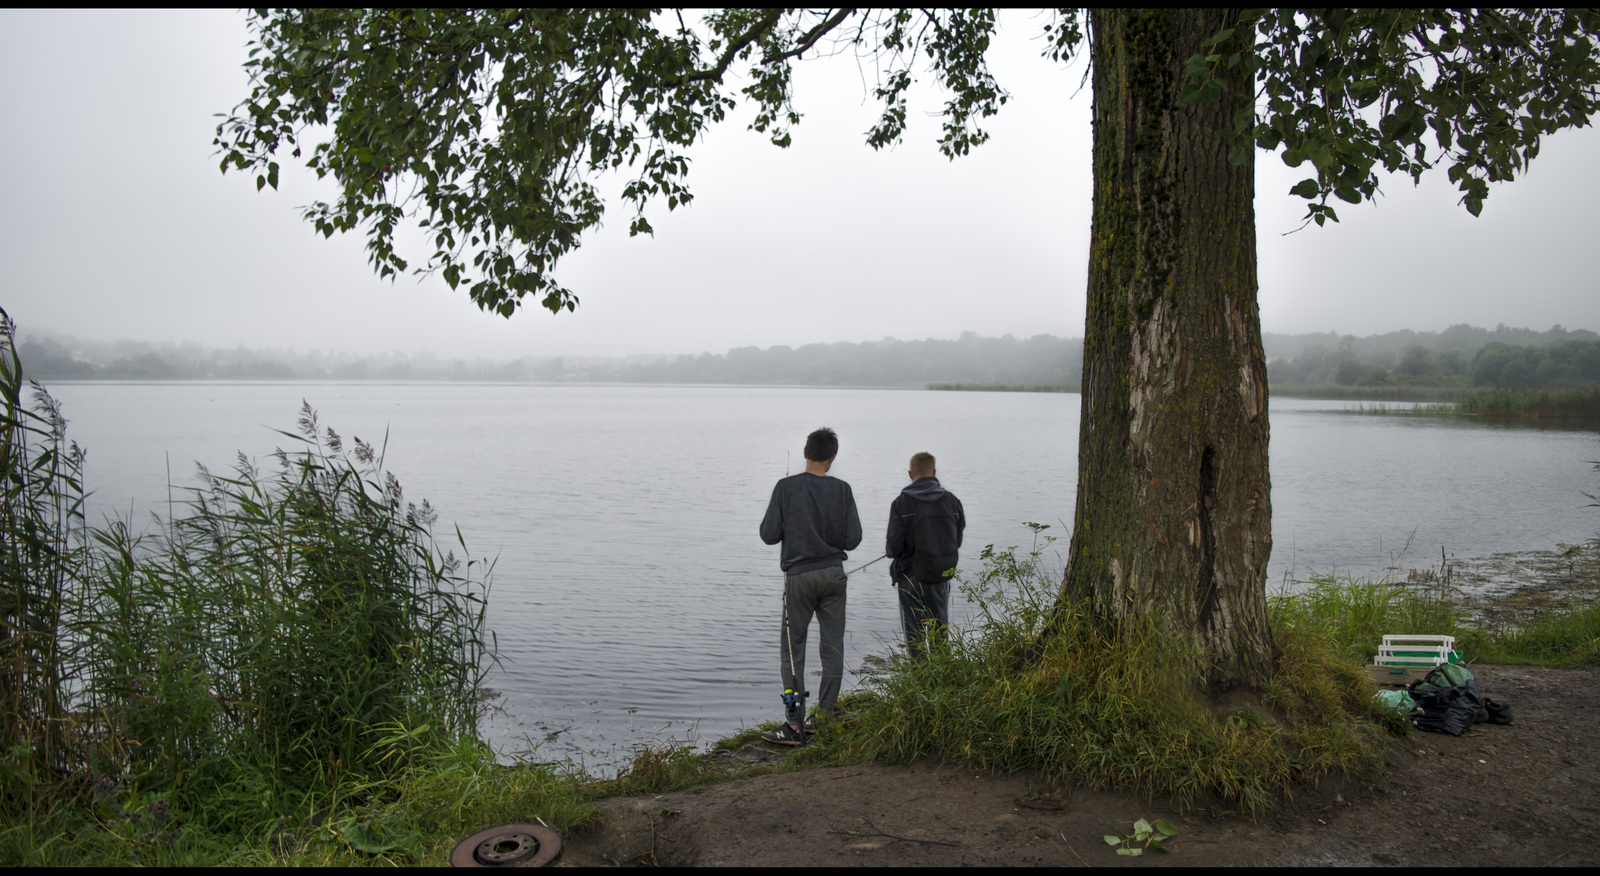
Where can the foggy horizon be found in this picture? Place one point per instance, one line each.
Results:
(26, 334)
(138, 235)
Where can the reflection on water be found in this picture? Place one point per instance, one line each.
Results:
(632, 598)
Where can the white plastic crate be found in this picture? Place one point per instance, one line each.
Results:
(1415, 650)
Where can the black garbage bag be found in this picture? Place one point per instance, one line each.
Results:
(1447, 701)
(1499, 713)
(1448, 709)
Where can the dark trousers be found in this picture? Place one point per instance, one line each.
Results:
(819, 592)
(920, 605)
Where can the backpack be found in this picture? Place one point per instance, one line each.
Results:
(933, 542)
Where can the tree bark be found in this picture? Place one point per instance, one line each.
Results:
(1173, 514)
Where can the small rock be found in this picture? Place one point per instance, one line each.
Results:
(865, 847)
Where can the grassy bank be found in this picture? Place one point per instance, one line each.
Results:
(1004, 387)
(1098, 707)
(1353, 615)
(1112, 708)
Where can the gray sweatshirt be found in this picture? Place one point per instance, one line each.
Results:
(815, 518)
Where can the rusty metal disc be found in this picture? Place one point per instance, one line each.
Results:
(510, 845)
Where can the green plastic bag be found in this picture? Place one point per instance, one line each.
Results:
(1444, 675)
(1398, 700)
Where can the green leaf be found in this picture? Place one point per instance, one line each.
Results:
(1156, 844)
(1131, 852)
(1218, 37)
(1141, 826)
(1306, 188)
(1112, 840)
(1348, 195)
(1165, 828)
(375, 838)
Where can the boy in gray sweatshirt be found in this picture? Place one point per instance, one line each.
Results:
(814, 516)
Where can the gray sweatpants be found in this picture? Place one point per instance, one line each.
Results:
(819, 592)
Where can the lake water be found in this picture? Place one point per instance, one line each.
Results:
(632, 598)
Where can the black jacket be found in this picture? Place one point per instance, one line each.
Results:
(904, 510)
(815, 518)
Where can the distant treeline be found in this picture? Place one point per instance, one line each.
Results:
(59, 357)
(1043, 359)
(1459, 357)
(1443, 363)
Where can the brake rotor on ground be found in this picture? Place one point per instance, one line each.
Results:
(510, 845)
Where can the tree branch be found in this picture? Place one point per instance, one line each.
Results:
(755, 32)
(811, 37)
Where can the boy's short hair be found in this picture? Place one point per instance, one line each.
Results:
(922, 464)
(822, 445)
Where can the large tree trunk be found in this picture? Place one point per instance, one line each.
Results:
(1173, 514)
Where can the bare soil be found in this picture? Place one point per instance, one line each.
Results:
(1523, 794)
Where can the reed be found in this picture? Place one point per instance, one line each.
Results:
(255, 647)
(1369, 393)
(286, 641)
(1573, 406)
(41, 557)
(1004, 387)
(1535, 404)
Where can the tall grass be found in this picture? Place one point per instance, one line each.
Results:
(41, 501)
(288, 644)
(1369, 393)
(1004, 387)
(263, 640)
(1535, 404)
(1352, 616)
(1580, 406)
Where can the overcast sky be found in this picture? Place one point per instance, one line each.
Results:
(117, 224)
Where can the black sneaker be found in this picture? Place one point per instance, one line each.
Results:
(786, 734)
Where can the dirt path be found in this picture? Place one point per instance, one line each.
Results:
(1523, 794)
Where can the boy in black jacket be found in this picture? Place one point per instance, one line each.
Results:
(926, 523)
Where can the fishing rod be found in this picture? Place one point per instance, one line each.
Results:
(792, 697)
(864, 565)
